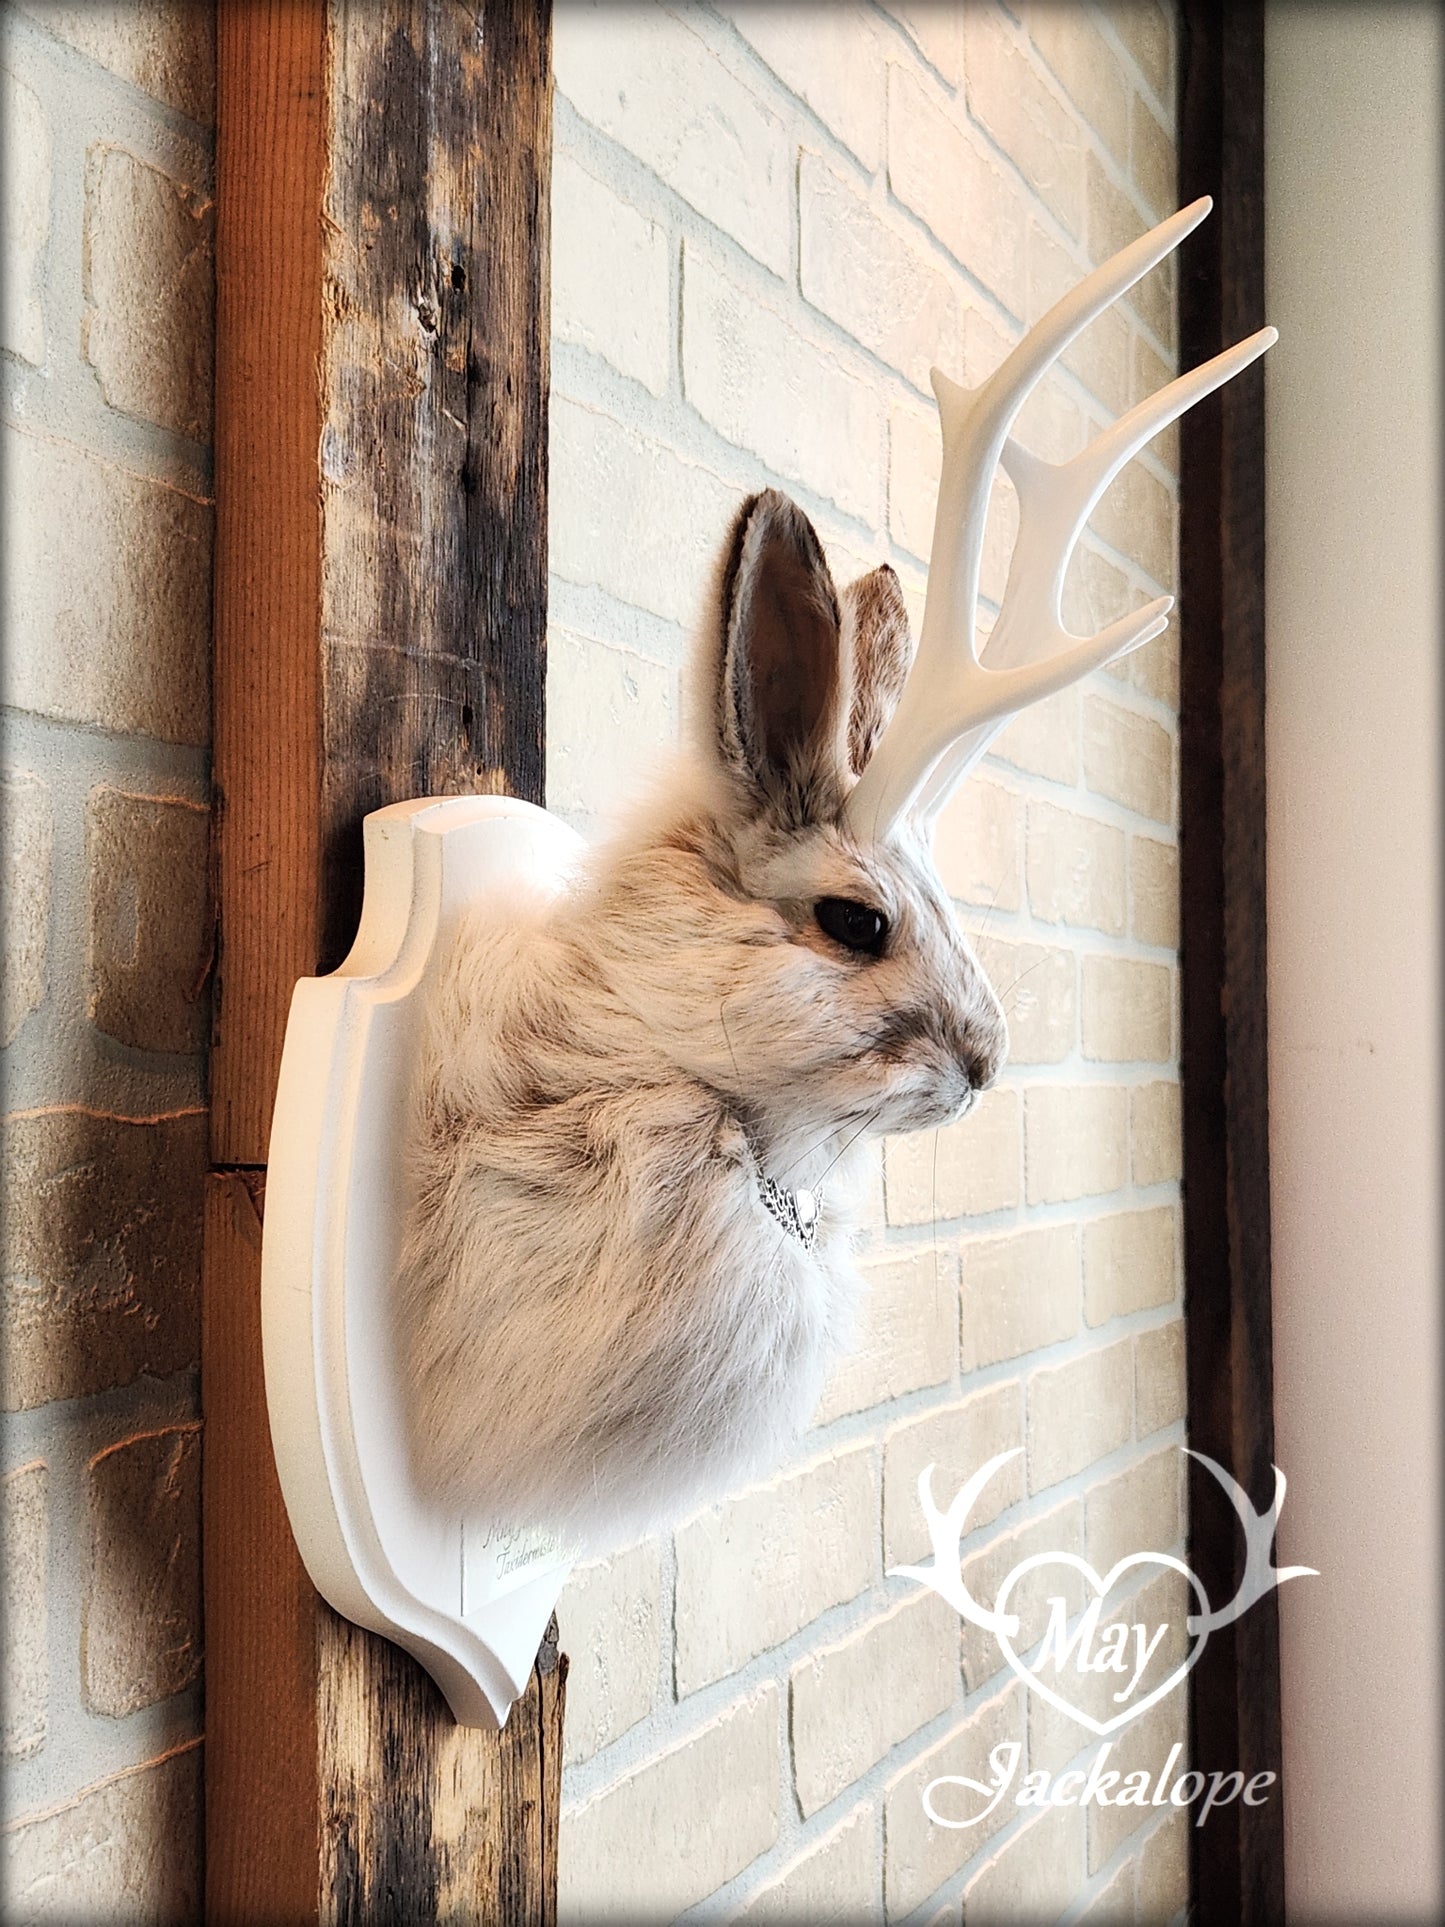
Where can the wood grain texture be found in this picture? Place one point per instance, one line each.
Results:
(1235, 1688)
(434, 368)
(383, 179)
(260, 1607)
(435, 374)
(424, 1820)
(266, 679)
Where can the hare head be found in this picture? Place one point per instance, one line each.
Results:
(819, 979)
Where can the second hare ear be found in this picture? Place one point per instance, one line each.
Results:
(877, 643)
(782, 699)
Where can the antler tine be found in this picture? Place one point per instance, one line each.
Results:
(948, 692)
(1021, 370)
(945, 1530)
(1121, 638)
(1055, 502)
(1057, 499)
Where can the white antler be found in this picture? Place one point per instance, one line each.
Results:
(946, 1529)
(1260, 1576)
(953, 703)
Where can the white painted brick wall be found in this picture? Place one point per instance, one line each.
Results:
(1020, 1292)
(839, 1878)
(27, 219)
(690, 1819)
(618, 1612)
(908, 1340)
(667, 91)
(599, 241)
(955, 1437)
(871, 278)
(769, 389)
(1059, 1530)
(854, 1702)
(754, 1569)
(105, 420)
(968, 1169)
(918, 1855)
(769, 220)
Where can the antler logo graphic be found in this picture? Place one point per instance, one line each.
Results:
(1260, 1576)
(1123, 1647)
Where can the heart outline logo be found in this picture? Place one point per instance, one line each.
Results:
(945, 1575)
(1008, 1624)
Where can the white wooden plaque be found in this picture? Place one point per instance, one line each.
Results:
(469, 1599)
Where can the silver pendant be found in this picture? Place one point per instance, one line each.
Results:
(796, 1211)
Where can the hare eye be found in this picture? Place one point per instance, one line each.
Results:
(857, 926)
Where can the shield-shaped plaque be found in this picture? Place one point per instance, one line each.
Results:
(469, 1598)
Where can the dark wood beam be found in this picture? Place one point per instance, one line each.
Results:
(380, 606)
(1235, 1694)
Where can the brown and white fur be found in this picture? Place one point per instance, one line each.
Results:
(606, 1324)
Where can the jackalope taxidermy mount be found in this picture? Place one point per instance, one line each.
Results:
(627, 1265)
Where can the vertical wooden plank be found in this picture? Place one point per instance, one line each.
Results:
(1235, 1698)
(260, 1756)
(434, 372)
(270, 163)
(381, 581)
(260, 1608)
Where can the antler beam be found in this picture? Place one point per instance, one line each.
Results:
(954, 702)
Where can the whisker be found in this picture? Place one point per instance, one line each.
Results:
(988, 913)
(1020, 977)
(723, 1020)
(933, 1228)
(872, 1118)
(832, 1131)
(812, 1149)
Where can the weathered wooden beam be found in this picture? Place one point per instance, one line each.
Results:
(382, 336)
(1234, 1688)
(434, 381)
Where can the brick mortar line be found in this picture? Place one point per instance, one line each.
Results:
(71, 63)
(70, 1801)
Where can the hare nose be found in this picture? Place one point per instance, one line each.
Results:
(983, 1048)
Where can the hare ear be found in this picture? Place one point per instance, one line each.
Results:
(781, 698)
(877, 642)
